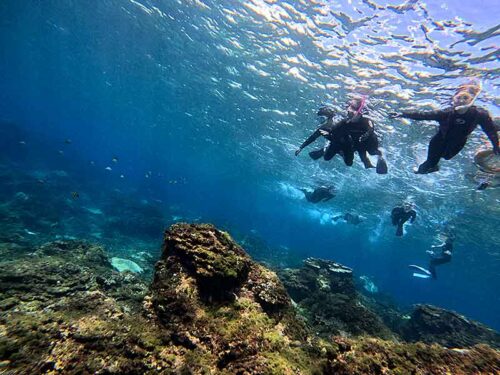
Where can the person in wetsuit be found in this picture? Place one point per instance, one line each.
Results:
(320, 194)
(401, 215)
(355, 133)
(350, 218)
(441, 258)
(455, 125)
(323, 130)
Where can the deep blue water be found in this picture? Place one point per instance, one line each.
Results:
(203, 104)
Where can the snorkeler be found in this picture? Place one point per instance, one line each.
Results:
(320, 194)
(436, 259)
(350, 218)
(355, 133)
(326, 117)
(401, 214)
(455, 125)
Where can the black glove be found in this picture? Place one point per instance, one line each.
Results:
(297, 152)
(395, 115)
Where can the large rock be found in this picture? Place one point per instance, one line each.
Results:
(326, 295)
(213, 298)
(432, 324)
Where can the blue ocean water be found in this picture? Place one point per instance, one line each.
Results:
(203, 103)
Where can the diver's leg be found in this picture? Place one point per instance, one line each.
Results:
(331, 151)
(434, 153)
(453, 148)
(399, 230)
(317, 154)
(348, 154)
(364, 158)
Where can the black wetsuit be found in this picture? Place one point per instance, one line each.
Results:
(400, 216)
(320, 194)
(327, 126)
(350, 218)
(346, 138)
(444, 257)
(454, 128)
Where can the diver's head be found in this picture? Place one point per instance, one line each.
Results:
(355, 107)
(326, 112)
(407, 206)
(465, 95)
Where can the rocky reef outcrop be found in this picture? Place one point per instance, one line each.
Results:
(209, 310)
(326, 295)
(431, 324)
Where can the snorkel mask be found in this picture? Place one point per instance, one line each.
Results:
(466, 95)
(407, 206)
(355, 107)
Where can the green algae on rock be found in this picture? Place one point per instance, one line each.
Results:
(64, 310)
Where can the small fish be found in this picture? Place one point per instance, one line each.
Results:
(75, 194)
(67, 141)
(40, 181)
(108, 168)
(22, 142)
(115, 159)
(122, 176)
(29, 232)
(92, 162)
(60, 152)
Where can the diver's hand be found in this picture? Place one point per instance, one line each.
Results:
(297, 152)
(496, 150)
(395, 115)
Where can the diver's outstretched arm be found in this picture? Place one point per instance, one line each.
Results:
(489, 128)
(421, 115)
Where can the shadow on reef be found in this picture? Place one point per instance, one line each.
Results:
(209, 310)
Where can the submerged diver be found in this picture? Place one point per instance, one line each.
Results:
(350, 218)
(355, 133)
(320, 194)
(324, 129)
(455, 125)
(436, 259)
(401, 214)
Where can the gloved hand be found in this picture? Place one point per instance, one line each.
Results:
(297, 152)
(395, 115)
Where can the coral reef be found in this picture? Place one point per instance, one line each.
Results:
(210, 309)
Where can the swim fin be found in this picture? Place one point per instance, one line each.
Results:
(381, 166)
(415, 274)
(420, 269)
(315, 155)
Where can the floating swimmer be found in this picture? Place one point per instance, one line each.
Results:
(320, 194)
(436, 258)
(325, 117)
(455, 125)
(350, 218)
(401, 214)
(356, 133)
